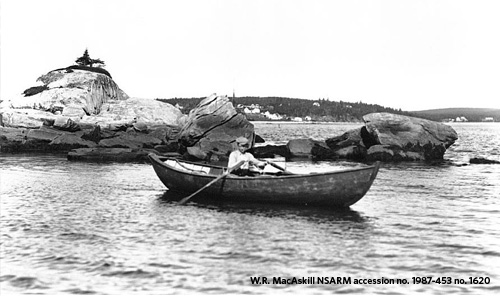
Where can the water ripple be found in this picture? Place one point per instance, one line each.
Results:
(77, 228)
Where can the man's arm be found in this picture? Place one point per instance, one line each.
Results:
(257, 162)
(233, 159)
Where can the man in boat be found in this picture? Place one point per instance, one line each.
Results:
(250, 162)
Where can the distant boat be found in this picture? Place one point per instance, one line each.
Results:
(340, 188)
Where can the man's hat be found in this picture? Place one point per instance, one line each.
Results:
(242, 141)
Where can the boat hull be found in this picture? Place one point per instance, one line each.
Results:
(338, 189)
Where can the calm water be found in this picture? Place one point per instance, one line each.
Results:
(80, 228)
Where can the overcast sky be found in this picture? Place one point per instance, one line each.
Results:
(412, 55)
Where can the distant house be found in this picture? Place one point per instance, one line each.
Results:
(461, 119)
(316, 104)
(488, 119)
(272, 116)
(254, 108)
(297, 119)
(307, 118)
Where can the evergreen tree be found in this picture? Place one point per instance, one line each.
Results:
(85, 60)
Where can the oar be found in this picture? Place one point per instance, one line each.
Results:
(278, 167)
(185, 199)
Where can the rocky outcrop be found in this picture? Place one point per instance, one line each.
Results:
(41, 139)
(71, 92)
(87, 110)
(391, 137)
(480, 160)
(384, 137)
(410, 137)
(120, 115)
(211, 128)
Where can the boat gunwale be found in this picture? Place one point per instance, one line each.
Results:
(160, 161)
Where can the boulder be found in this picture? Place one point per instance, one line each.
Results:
(25, 118)
(166, 133)
(480, 160)
(73, 111)
(131, 139)
(77, 89)
(425, 139)
(11, 139)
(66, 124)
(43, 135)
(211, 128)
(391, 137)
(140, 114)
(349, 138)
(145, 112)
(92, 134)
(322, 152)
(350, 145)
(353, 152)
(67, 142)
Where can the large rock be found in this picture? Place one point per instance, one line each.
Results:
(391, 137)
(42, 139)
(138, 112)
(350, 145)
(211, 128)
(399, 130)
(66, 124)
(85, 109)
(79, 90)
(417, 138)
(12, 139)
(25, 118)
(131, 139)
(480, 160)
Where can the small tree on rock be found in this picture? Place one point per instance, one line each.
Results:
(85, 60)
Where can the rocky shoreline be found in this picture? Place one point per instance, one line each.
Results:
(86, 115)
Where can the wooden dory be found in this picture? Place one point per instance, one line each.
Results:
(339, 188)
